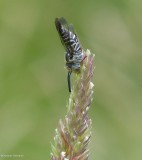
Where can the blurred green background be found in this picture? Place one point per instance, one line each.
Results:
(33, 87)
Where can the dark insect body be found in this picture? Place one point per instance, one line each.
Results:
(74, 52)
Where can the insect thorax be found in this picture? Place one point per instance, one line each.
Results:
(73, 64)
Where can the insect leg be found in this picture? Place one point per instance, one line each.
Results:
(69, 82)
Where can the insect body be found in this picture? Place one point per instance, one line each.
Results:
(74, 52)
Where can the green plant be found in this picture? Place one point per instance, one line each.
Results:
(73, 133)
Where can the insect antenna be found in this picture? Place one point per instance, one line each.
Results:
(68, 79)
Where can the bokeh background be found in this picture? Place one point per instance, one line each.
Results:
(33, 87)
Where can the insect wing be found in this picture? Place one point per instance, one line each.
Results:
(73, 39)
(62, 26)
(71, 29)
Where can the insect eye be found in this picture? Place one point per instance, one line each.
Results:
(68, 57)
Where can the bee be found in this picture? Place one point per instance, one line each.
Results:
(74, 53)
